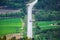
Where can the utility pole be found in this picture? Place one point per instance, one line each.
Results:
(29, 21)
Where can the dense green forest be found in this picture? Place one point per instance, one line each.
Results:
(13, 3)
(51, 9)
(47, 15)
(48, 5)
(42, 4)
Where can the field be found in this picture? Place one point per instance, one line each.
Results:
(49, 24)
(13, 25)
(10, 26)
(47, 30)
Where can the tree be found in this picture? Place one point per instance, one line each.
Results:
(48, 5)
(47, 15)
(3, 2)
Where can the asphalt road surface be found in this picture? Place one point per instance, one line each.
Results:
(29, 24)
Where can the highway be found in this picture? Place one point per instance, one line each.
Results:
(29, 22)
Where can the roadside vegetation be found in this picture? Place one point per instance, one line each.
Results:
(46, 24)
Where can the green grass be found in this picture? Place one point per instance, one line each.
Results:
(46, 31)
(47, 25)
(10, 26)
